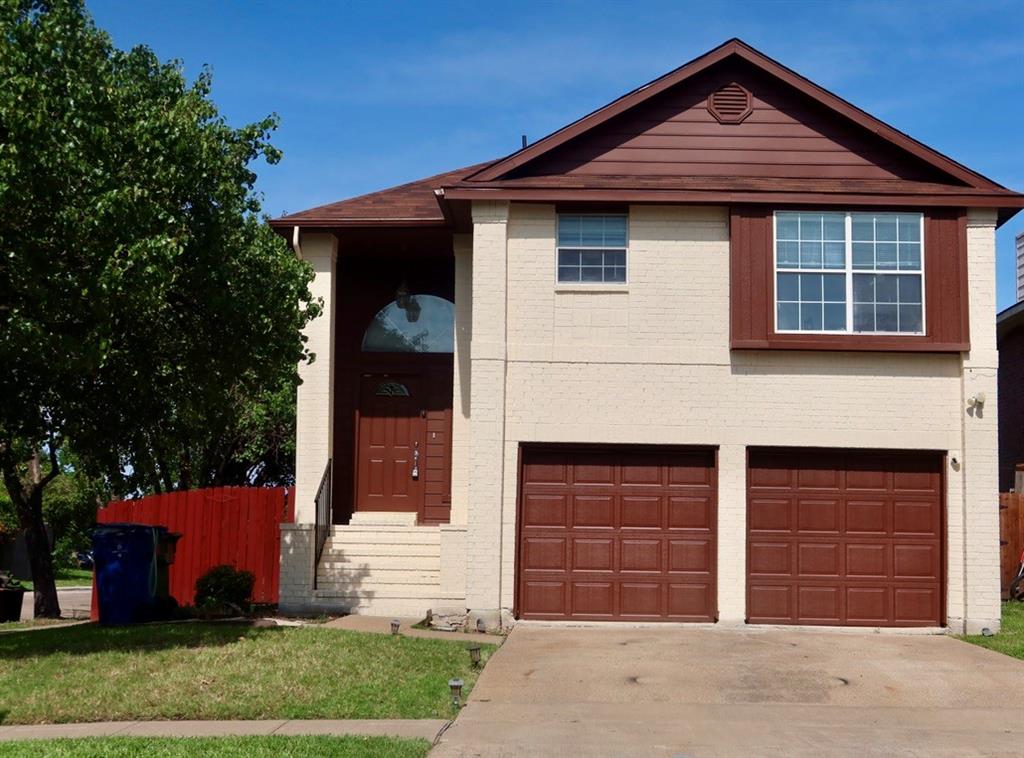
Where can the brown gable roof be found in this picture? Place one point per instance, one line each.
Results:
(800, 144)
(738, 49)
(411, 204)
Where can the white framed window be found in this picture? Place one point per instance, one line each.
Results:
(849, 272)
(591, 248)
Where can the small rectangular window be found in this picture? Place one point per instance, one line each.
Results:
(849, 272)
(592, 248)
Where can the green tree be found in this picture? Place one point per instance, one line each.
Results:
(146, 310)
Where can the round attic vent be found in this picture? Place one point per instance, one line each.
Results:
(730, 104)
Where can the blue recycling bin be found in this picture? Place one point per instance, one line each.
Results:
(125, 557)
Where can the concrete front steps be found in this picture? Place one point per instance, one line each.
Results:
(381, 569)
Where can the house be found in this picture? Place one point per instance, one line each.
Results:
(720, 351)
(1010, 341)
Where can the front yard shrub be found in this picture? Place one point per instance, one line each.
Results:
(225, 586)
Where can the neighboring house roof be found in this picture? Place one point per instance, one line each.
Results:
(794, 142)
(1010, 320)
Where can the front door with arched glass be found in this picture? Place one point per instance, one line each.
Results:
(404, 409)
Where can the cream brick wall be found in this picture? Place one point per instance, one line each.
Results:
(315, 401)
(649, 362)
(463, 244)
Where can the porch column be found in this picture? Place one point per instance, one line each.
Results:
(486, 470)
(974, 599)
(315, 401)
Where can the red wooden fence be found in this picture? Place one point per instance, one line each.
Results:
(1011, 535)
(238, 526)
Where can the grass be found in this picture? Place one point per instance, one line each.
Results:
(225, 671)
(1010, 640)
(225, 747)
(66, 577)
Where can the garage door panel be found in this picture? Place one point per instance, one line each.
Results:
(868, 560)
(867, 517)
(593, 511)
(593, 469)
(690, 556)
(593, 598)
(629, 533)
(867, 605)
(548, 467)
(545, 510)
(546, 598)
(770, 603)
(868, 552)
(641, 512)
(866, 477)
(544, 553)
(915, 561)
(691, 470)
(770, 559)
(770, 515)
(819, 604)
(915, 519)
(817, 559)
(690, 512)
(589, 554)
(817, 515)
(915, 605)
(640, 599)
(689, 601)
(640, 555)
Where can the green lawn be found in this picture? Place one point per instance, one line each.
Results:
(225, 747)
(66, 578)
(224, 671)
(1010, 639)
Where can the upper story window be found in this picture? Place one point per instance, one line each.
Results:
(849, 273)
(592, 247)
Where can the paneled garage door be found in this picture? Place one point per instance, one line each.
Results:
(617, 533)
(845, 538)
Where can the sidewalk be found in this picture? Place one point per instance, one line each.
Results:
(427, 729)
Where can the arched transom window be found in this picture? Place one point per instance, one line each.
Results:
(426, 324)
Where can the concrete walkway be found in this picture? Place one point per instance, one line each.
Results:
(427, 729)
(382, 625)
(553, 691)
(75, 603)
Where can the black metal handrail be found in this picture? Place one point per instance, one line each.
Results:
(323, 517)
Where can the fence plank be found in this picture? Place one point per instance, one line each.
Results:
(239, 526)
(1011, 535)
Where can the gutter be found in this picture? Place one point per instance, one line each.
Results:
(295, 242)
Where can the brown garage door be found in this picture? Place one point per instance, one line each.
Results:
(845, 538)
(617, 533)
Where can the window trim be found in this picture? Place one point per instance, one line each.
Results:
(848, 272)
(579, 285)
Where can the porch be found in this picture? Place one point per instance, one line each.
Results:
(380, 514)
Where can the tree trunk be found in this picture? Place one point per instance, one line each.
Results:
(40, 559)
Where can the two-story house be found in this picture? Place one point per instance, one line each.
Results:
(722, 350)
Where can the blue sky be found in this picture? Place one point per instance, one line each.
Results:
(374, 94)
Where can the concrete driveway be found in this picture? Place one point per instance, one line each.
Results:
(717, 692)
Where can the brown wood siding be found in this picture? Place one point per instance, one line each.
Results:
(787, 135)
(752, 290)
(617, 533)
(845, 537)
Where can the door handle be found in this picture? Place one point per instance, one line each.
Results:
(416, 460)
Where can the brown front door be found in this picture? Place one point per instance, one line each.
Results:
(391, 443)
(845, 537)
(617, 533)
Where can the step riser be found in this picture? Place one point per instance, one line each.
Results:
(337, 552)
(383, 563)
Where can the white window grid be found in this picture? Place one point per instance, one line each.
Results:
(594, 248)
(848, 270)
